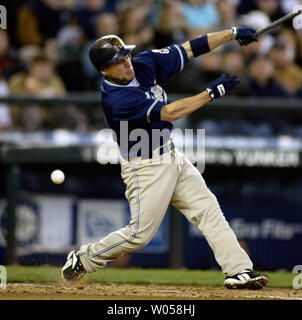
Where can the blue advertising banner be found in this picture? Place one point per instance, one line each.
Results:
(43, 224)
(97, 218)
(50, 224)
(270, 230)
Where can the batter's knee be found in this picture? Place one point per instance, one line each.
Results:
(139, 238)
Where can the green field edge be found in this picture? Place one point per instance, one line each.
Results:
(212, 278)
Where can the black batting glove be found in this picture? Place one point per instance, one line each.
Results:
(222, 86)
(244, 35)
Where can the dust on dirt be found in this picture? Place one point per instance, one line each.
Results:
(84, 291)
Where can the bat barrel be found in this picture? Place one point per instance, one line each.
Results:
(278, 22)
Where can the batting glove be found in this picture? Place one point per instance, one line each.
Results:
(244, 35)
(222, 86)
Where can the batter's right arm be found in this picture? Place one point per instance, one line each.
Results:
(180, 108)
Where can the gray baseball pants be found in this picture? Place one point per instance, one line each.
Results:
(151, 185)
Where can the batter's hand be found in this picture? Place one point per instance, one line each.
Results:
(222, 86)
(244, 35)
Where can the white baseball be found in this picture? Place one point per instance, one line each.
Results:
(57, 176)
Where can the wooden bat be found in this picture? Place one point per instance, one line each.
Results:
(278, 22)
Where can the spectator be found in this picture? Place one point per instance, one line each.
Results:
(151, 8)
(286, 72)
(233, 62)
(12, 8)
(106, 23)
(261, 82)
(288, 5)
(257, 20)
(271, 7)
(171, 27)
(39, 81)
(134, 28)
(70, 41)
(209, 67)
(39, 21)
(28, 53)
(289, 37)
(70, 35)
(5, 117)
(200, 15)
(10, 63)
(245, 6)
(298, 93)
(186, 81)
(88, 14)
(198, 74)
(226, 10)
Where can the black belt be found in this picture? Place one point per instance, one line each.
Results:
(161, 150)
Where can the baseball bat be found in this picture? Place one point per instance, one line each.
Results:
(278, 22)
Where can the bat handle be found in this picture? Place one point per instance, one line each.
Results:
(258, 32)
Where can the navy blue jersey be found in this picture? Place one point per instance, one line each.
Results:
(137, 105)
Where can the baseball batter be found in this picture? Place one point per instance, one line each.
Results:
(156, 173)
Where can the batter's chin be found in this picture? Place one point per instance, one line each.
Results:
(131, 74)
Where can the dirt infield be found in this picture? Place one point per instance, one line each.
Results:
(60, 291)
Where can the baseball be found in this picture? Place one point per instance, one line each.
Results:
(57, 176)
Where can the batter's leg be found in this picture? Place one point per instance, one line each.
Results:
(149, 188)
(200, 206)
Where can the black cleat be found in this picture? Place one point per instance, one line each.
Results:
(246, 279)
(73, 269)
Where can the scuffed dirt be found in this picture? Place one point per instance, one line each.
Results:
(84, 291)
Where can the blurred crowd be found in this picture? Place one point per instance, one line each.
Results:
(44, 51)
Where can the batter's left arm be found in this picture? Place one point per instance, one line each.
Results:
(210, 41)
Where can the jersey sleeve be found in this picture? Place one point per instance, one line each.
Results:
(164, 62)
(135, 107)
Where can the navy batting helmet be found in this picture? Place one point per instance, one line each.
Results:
(107, 50)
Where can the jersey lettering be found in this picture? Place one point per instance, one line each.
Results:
(164, 50)
(157, 93)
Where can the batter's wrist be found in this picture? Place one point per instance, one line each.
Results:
(234, 33)
(210, 93)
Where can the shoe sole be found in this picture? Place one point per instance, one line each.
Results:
(252, 284)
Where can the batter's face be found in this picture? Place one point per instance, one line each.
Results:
(121, 72)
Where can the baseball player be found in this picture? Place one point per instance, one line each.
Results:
(156, 174)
